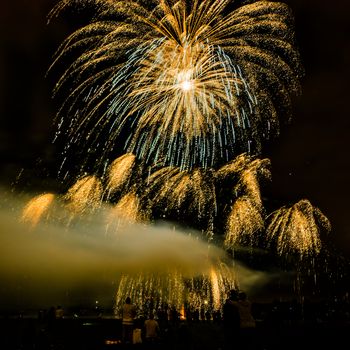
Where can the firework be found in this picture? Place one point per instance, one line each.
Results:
(160, 288)
(151, 291)
(191, 82)
(244, 220)
(245, 172)
(297, 229)
(209, 291)
(175, 191)
(128, 209)
(119, 173)
(84, 195)
(168, 192)
(189, 90)
(37, 208)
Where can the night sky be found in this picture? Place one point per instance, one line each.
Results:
(309, 159)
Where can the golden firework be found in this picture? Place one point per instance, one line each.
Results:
(183, 87)
(128, 209)
(193, 82)
(119, 172)
(156, 287)
(297, 229)
(37, 208)
(176, 188)
(206, 291)
(245, 172)
(84, 195)
(244, 221)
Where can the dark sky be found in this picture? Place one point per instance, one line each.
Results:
(309, 159)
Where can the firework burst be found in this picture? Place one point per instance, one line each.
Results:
(128, 209)
(37, 209)
(244, 220)
(195, 82)
(297, 229)
(245, 172)
(120, 173)
(189, 91)
(152, 290)
(84, 195)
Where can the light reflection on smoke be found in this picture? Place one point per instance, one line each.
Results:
(58, 264)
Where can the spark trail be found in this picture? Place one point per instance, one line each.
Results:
(184, 94)
(191, 83)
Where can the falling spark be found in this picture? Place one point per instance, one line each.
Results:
(297, 229)
(84, 195)
(119, 172)
(209, 291)
(156, 287)
(128, 209)
(178, 189)
(244, 220)
(215, 289)
(247, 171)
(193, 83)
(37, 208)
(189, 90)
(174, 289)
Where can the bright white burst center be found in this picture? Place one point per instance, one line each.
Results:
(184, 80)
(186, 85)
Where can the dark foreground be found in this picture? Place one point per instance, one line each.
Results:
(93, 333)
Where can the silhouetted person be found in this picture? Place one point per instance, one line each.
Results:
(202, 312)
(51, 317)
(174, 316)
(217, 316)
(128, 315)
(245, 311)
(231, 320)
(59, 312)
(208, 315)
(196, 315)
(162, 315)
(247, 321)
(152, 330)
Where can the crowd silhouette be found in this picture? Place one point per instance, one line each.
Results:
(240, 323)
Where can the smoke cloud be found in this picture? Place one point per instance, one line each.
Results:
(53, 263)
